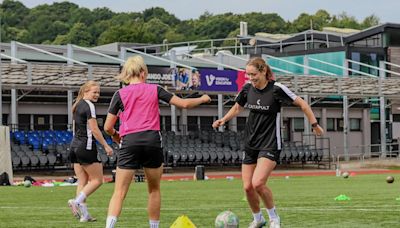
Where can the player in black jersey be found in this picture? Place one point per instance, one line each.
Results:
(88, 168)
(263, 97)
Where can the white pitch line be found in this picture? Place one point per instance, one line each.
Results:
(383, 208)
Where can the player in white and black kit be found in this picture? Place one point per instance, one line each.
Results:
(83, 153)
(136, 105)
(263, 97)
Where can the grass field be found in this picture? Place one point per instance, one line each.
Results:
(301, 202)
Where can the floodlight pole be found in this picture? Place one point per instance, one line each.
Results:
(346, 128)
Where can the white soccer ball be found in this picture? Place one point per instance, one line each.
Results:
(227, 219)
(345, 175)
(27, 183)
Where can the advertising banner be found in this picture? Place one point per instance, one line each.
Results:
(218, 80)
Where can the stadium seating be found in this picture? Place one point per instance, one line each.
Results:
(48, 149)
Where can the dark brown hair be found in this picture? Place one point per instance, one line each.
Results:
(260, 64)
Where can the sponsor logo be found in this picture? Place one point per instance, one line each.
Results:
(257, 106)
(210, 79)
(213, 80)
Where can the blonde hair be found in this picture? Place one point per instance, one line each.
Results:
(84, 88)
(261, 65)
(132, 68)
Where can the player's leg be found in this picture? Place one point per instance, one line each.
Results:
(82, 181)
(95, 174)
(153, 168)
(261, 174)
(153, 177)
(123, 179)
(252, 196)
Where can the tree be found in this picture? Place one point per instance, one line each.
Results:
(345, 21)
(103, 13)
(77, 35)
(13, 13)
(370, 21)
(259, 22)
(161, 14)
(155, 30)
(321, 19)
(302, 22)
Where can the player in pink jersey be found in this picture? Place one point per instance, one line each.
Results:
(136, 105)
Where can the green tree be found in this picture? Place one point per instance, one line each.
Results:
(161, 14)
(370, 21)
(13, 13)
(259, 22)
(77, 35)
(103, 13)
(81, 15)
(129, 32)
(321, 19)
(155, 30)
(302, 22)
(343, 20)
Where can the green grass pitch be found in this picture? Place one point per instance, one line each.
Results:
(301, 202)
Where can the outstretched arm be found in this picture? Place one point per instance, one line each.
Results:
(310, 115)
(189, 102)
(233, 112)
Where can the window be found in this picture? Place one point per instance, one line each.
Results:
(396, 117)
(330, 124)
(298, 124)
(339, 124)
(5, 116)
(355, 124)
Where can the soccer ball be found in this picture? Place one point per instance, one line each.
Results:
(389, 179)
(227, 219)
(27, 183)
(345, 175)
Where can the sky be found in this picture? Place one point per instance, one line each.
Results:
(386, 10)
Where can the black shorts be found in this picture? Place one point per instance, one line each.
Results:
(250, 156)
(79, 153)
(137, 156)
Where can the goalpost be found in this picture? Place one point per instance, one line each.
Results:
(5, 152)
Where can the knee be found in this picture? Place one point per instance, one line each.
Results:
(97, 181)
(258, 185)
(248, 188)
(154, 189)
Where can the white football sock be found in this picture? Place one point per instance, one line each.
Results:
(111, 220)
(258, 216)
(80, 198)
(272, 213)
(154, 223)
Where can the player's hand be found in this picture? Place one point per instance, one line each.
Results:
(116, 138)
(218, 123)
(318, 131)
(108, 150)
(205, 98)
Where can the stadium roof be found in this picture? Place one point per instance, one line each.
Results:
(333, 34)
